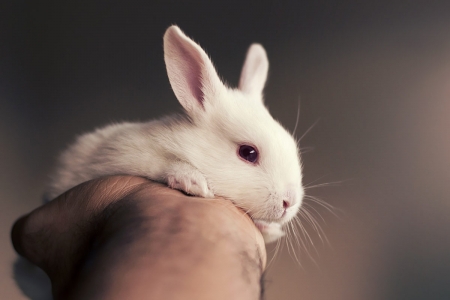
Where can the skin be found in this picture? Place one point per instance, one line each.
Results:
(125, 237)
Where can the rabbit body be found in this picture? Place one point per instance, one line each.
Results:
(226, 144)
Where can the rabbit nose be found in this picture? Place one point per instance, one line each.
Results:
(286, 204)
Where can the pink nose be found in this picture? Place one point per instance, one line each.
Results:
(286, 204)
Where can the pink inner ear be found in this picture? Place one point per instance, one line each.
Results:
(192, 66)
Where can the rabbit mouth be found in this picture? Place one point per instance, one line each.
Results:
(280, 220)
(263, 224)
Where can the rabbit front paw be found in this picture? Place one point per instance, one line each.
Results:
(186, 178)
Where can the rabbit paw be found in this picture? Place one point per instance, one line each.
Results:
(270, 231)
(186, 178)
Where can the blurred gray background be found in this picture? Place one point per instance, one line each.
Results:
(376, 74)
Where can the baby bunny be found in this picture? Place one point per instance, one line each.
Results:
(226, 144)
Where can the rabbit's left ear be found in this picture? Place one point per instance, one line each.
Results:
(191, 73)
(254, 72)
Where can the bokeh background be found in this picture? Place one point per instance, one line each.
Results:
(374, 74)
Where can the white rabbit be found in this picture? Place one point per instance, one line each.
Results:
(227, 144)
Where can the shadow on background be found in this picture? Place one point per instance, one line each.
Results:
(376, 74)
(31, 280)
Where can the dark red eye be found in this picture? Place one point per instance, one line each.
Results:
(248, 153)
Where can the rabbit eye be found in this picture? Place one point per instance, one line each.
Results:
(248, 153)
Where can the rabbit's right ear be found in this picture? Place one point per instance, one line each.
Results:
(191, 73)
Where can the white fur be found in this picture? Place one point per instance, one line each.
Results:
(198, 152)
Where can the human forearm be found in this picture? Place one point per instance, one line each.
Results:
(160, 244)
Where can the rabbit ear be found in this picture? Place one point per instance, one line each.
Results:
(254, 72)
(191, 73)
